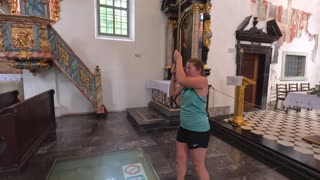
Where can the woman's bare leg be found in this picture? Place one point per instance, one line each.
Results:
(181, 160)
(198, 157)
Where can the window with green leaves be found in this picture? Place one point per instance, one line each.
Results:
(113, 17)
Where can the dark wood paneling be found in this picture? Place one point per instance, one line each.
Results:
(23, 126)
(8, 99)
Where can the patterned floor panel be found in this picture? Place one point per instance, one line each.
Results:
(286, 129)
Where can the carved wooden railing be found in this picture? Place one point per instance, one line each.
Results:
(30, 42)
(71, 65)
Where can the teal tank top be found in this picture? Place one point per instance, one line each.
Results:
(193, 114)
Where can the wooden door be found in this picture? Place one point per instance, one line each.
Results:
(250, 69)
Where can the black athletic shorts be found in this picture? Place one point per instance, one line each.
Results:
(193, 139)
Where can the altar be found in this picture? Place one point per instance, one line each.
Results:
(189, 31)
(160, 93)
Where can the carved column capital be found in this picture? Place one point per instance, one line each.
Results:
(196, 7)
(207, 8)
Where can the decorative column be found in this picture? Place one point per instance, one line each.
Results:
(195, 30)
(100, 108)
(44, 41)
(207, 33)
(170, 42)
(206, 37)
(55, 10)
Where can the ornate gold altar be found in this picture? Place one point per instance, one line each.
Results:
(188, 30)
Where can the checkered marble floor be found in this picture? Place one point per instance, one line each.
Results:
(286, 129)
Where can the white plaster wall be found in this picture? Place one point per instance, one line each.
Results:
(67, 98)
(225, 20)
(302, 45)
(41, 82)
(125, 66)
(71, 100)
(226, 15)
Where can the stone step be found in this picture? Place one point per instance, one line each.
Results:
(147, 119)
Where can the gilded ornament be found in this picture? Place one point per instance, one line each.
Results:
(43, 64)
(23, 54)
(63, 56)
(14, 7)
(22, 37)
(207, 34)
(196, 7)
(32, 66)
(84, 78)
(55, 10)
(207, 8)
(172, 23)
(1, 40)
(44, 43)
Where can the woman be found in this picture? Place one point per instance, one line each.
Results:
(193, 134)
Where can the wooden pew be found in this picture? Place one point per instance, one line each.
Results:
(23, 126)
(8, 99)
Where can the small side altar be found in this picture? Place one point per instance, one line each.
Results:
(161, 100)
(160, 93)
(161, 113)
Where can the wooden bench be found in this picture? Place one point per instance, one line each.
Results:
(23, 126)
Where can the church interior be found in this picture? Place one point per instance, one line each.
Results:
(84, 88)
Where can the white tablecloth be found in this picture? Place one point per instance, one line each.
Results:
(162, 85)
(303, 100)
